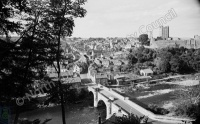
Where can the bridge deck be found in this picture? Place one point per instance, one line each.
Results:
(127, 108)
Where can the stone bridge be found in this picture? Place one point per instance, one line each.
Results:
(120, 105)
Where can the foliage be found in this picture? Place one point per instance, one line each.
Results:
(131, 119)
(190, 102)
(176, 60)
(8, 9)
(157, 110)
(141, 55)
(181, 60)
(23, 61)
(175, 64)
(143, 38)
(187, 109)
(74, 95)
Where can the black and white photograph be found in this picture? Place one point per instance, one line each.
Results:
(99, 61)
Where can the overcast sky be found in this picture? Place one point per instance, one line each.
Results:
(119, 18)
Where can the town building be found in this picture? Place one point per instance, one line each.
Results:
(117, 62)
(190, 43)
(164, 32)
(98, 61)
(101, 79)
(77, 69)
(106, 63)
(146, 72)
(196, 37)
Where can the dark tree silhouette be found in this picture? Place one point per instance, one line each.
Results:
(131, 119)
(143, 38)
(25, 59)
(58, 18)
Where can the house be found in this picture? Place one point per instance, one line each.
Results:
(128, 46)
(84, 58)
(91, 73)
(51, 69)
(77, 69)
(110, 76)
(118, 54)
(117, 62)
(122, 80)
(119, 76)
(125, 62)
(146, 72)
(101, 79)
(105, 63)
(97, 61)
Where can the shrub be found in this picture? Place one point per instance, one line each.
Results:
(190, 110)
(157, 110)
(131, 119)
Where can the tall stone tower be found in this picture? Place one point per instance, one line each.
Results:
(151, 38)
(164, 32)
(111, 44)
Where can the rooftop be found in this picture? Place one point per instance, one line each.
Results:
(147, 70)
(101, 75)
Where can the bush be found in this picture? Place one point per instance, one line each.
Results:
(157, 110)
(131, 119)
(190, 110)
(190, 104)
(83, 94)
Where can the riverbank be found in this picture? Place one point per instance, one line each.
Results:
(79, 113)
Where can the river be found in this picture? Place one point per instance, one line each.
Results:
(82, 113)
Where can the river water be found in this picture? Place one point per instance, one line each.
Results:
(82, 113)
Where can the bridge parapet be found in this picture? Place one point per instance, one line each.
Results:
(146, 112)
(132, 104)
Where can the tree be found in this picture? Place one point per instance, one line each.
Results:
(143, 38)
(164, 66)
(59, 19)
(9, 9)
(132, 59)
(26, 59)
(163, 59)
(175, 64)
(190, 102)
(131, 119)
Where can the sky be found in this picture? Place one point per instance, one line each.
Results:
(120, 18)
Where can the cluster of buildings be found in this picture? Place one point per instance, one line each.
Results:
(107, 69)
(68, 76)
(163, 40)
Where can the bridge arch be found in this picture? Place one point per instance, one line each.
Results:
(91, 98)
(103, 109)
(98, 97)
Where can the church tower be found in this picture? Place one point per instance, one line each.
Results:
(151, 38)
(111, 44)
